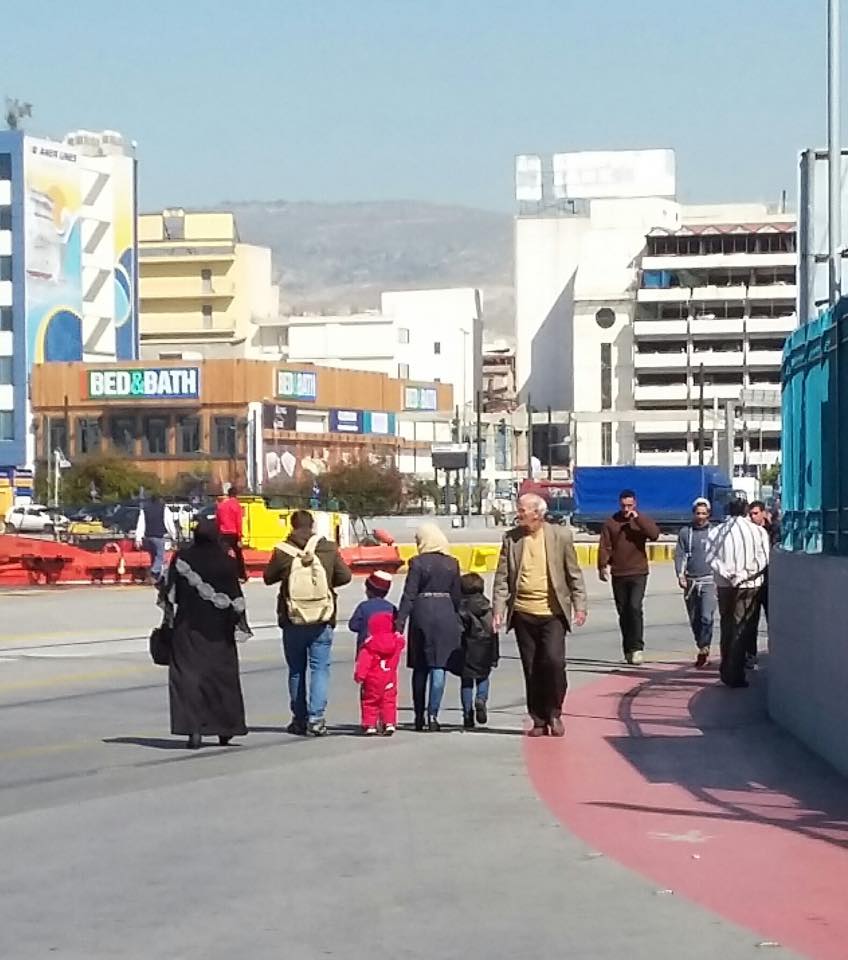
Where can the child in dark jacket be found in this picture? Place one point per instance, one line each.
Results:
(480, 648)
(377, 587)
(377, 670)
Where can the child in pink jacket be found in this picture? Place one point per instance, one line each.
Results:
(377, 671)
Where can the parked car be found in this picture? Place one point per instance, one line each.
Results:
(34, 518)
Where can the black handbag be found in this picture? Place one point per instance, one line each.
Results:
(160, 644)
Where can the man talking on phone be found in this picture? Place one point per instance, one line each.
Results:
(622, 553)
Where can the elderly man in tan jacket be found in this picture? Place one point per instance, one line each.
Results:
(539, 593)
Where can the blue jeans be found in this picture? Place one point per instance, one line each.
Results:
(420, 676)
(308, 645)
(466, 692)
(155, 546)
(701, 601)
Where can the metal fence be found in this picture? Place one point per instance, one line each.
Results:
(814, 482)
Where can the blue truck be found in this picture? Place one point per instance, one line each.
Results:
(664, 493)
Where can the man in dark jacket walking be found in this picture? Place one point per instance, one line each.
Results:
(622, 552)
(307, 645)
(695, 577)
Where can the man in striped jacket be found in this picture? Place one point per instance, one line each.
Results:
(738, 554)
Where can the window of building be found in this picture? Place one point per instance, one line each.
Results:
(5, 268)
(606, 376)
(206, 280)
(605, 318)
(56, 435)
(5, 218)
(767, 343)
(662, 379)
(89, 435)
(122, 430)
(7, 375)
(5, 166)
(155, 435)
(188, 433)
(606, 444)
(403, 371)
(720, 378)
(206, 310)
(437, 347)
(661, 444)
(224, 436)
(7, 425)
(5, 318)
(403, 335)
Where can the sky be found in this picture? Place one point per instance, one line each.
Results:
(354, 100)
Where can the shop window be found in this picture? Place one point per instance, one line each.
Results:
(224, 436)
(57, 436)
(155, 435)
(89, 435)
(5, 319)
(7, 376)
(122, 433)
(188, 432)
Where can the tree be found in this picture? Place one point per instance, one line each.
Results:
(113, 478)
(364, 489)
(770, 476)
(420, 490)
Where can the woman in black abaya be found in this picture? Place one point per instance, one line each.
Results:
(203, 601)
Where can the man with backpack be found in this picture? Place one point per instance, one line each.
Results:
(308, 568)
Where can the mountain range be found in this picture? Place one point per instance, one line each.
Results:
(339, 257)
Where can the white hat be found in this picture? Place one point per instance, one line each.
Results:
(702, 502)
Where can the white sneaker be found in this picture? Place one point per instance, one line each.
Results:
(636, 658)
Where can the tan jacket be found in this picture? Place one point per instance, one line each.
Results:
(564, 574)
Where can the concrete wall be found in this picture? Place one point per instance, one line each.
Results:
(808, 644)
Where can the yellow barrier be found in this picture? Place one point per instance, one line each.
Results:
(483, 557)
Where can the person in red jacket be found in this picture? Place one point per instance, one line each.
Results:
(230, 518)
(377, 670)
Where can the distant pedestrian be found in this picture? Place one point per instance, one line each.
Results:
(539, 593)
(430, 605)
(308, 568)
(230, 517)
(758, 515)
(377, 671)
(622, 551)
(738, 554)
(696, 578)
(203, 602)
(480, 650)
(155, 525)
(377, 587)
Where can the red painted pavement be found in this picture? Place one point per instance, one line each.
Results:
(689, 784)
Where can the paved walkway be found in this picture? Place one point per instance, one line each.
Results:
(117, 843)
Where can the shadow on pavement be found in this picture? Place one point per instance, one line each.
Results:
(685, 728)
(155, 743)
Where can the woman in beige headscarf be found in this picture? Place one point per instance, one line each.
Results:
(430, 604)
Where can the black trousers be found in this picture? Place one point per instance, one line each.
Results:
(231, 542)
(739, 612)
(629, 594)
(541, 646)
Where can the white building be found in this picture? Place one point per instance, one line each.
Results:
(426, 335)
(619, 303)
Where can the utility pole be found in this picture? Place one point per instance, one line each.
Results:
(701, 415)
(834, 156)
(529, 439)
(550, 443)
(480, 452)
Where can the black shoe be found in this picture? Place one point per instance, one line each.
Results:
(419, 724)
(318, 728)
(296, 728)
(433, 725)
(224, 741)
(468, 720)
(481, 711)
(194, 742)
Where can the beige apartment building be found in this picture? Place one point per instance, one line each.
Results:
(202, 293)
